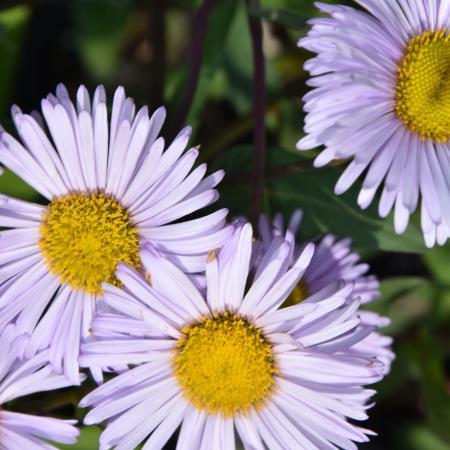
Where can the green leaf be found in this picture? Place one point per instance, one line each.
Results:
(12, 26)
(289, 19)
(393, 288)
(100, 30)
(293, 183)
(12, 185)
(422, 438)
(238, 54)
(430, 366)
(437, 262)
(326, 212)
(212, 82)
(405, 300)
(88, 440)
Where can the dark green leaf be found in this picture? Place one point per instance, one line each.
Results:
(437, 261)
(422, 438)
(430, 366)
(12, 185)
(12, 25)
(405, 300)
(100, 28)
(327, 212)
(294, 20)
(88, 440)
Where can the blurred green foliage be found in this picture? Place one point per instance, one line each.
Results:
(12, 24)
(121, 42)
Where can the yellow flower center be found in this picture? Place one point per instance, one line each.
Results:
(423, 86)
(225, 365)
(84, 237)
(298, 294)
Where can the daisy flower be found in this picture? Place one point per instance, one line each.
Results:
(231, 359)
(381, 97)
(17, 379)
(334, 262)
(109, 190)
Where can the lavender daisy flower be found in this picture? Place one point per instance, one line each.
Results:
(109, 191)
(334, 262)
(381, 97)
(232, 359)
(17, 379)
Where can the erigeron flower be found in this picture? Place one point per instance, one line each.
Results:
(381, 98)
(230, 360)
(334, 262)
(108, 190)
(20, 378)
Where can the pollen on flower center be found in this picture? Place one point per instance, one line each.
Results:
(423, 86)
(298, 294)
(84, 237)
(224, 365)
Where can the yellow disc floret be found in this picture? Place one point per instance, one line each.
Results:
(84, 237)
(298, 294)
(423, 86)
(224, 365)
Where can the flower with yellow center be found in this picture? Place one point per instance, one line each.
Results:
(85, 237)
(423, 86)
(298, 294)
(19, 378)
(381, 98)
(225, 365)
(333, 264)
(109, 190)
(229, 358)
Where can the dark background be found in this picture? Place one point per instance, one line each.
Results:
(146, 46)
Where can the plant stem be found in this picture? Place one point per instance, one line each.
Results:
(195, 60)
(259, 107)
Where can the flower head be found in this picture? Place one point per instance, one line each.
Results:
(381, 97)
(19, 378)
(333, 263)
(109, 190)
(230, 358)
